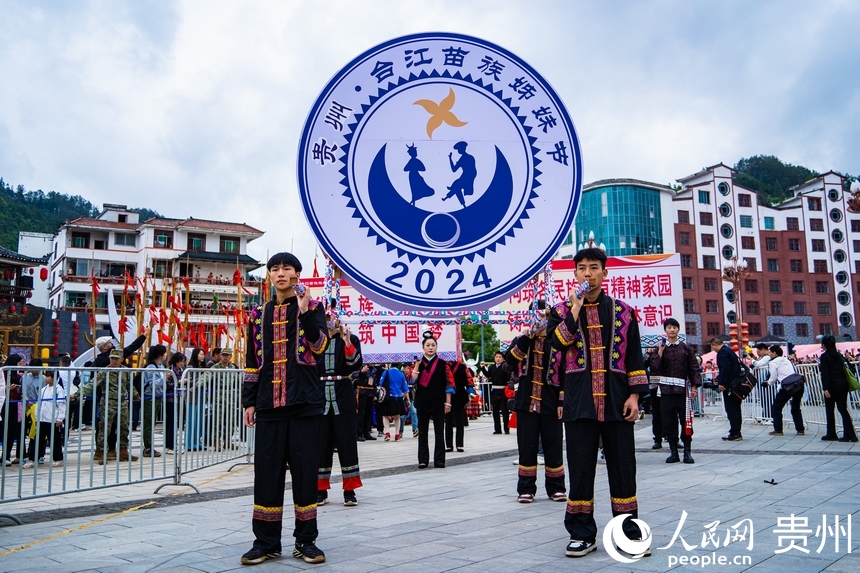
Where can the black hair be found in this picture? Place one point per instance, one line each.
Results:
(155, 351)
(541, 304)
(65, 360)
(13, 360)
(49, 373)
(591, 254)
(215, 352)
(829, 342)
(776, 349)
(427, 335)
(761, 346)
(671, 322)
(177, 358)
(286, 259)
(716, 341)
(36, 362)
(193, 362)
(499, 353)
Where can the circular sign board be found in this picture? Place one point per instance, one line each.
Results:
(439, 171)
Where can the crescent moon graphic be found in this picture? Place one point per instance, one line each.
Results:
(440, 230)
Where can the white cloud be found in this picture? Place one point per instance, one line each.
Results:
(195, 108)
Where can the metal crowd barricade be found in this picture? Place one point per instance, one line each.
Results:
(757, 407)
(200, 417)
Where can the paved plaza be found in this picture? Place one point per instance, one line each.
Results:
(466, 518)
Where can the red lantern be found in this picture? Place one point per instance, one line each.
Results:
(56, 322)
(24, 308)
(11, 309)
(43, 274)
(31, 271)
(30, 294)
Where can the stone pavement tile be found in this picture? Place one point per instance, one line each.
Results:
(793, 564)
(847, 564)
(400, 556)
(488, 549)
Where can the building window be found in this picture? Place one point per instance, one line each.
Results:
(816, 224)
(162, 268)
(81, 240)
(856, 246)
(797, 287)
(822, 287)
(813, 203)
(769, 224)
(126, 239)
(732, 317)
(845, 319)
(709, 262)
(712, 306)
(690, 328)
(706, 219)
(796, 266)
(683, 216)
(855, 226)
(122, 218)
(842, 277)
(857, 267)
(726, 231)
(704, 197)
(776, 307)
(801, 330)
(773, 265)
(744, 200)
(751, 264)
(792, 224)
(725, 210)
(818, 246)
(687, 261)
(723, 187)
(825, 328)
(753, 307)
(824, 308)
(837, 235)
(710, 284)
(800, 308)
(770, 244)
(775, 287)
(843, 298)
(714, 329)
(819, 266)
(708, 240)
(683, 238)
(229, 245)
(778, 329)
(748, 243)
(835, 215)
(746, 221)
(755, 329)
(196, 242)
(833, 194)
(163, 239)
(689, 305)
(687, 283)
(794, 244)
(728, 252)
(750, 285)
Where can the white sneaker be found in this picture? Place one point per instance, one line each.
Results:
(28, 464)
(7, 463)
(58, 464)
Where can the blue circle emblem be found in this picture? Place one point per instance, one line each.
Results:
(439, 171)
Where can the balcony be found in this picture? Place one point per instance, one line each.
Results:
(14, 294)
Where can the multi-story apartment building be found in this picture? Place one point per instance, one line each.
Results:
(798, 254)
(116, 244)
(803, 255)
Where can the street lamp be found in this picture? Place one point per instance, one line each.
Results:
(735, 273)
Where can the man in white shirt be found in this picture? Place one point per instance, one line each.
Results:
(780, 368)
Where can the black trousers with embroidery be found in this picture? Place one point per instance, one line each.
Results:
(339, 431)
(277, 443)
(534, 429)
(456, 418)
(619, 448)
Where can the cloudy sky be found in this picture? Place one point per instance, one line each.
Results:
(195, 108)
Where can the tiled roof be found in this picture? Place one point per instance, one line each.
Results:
(101, 224)
(204, 224)
(18, 257)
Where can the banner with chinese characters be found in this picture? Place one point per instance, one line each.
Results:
(388, 338)
(649, 283)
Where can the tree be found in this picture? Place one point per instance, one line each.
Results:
(770, 177)
(471, 334)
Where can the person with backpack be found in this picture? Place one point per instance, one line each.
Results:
(834, 382)
(780, 369)
(676, 365)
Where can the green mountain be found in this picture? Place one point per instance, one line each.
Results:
(772, 178)
(40, 212)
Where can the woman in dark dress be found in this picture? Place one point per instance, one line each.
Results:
(455, 418)
(434, 389)
(835, 385)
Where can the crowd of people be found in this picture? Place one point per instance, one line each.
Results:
(579, 371)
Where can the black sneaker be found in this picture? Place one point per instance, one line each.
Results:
(578, 548)
(349, 499)
(370, 437)
(256, 556)
(322, 498)
(309, 552)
